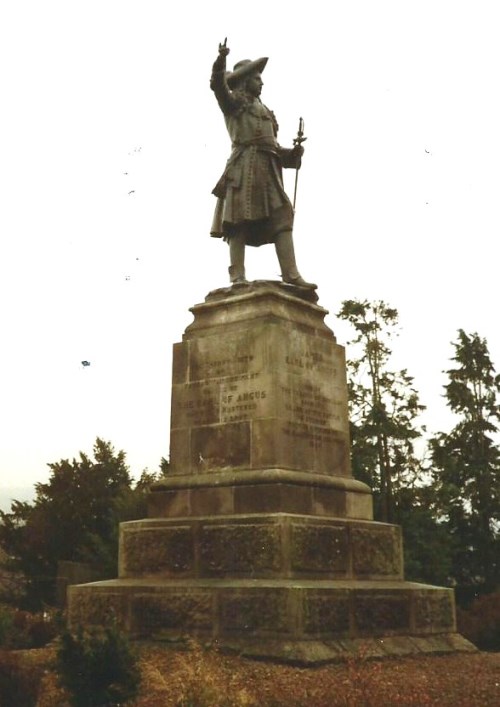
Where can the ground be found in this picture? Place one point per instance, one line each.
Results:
(198, 678)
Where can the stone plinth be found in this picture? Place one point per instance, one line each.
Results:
(259, 417)
(260, 538)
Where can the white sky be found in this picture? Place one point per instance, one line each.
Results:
(397, 198)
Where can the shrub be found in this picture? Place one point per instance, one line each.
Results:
(98, 667)
(480, 623)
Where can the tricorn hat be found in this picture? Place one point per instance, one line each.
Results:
(244, 69)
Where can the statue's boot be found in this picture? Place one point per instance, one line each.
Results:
(237, 259)
(286, 258)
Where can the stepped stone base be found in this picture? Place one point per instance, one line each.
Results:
(295, 621)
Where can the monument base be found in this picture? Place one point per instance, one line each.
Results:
(291, 587)
(295, 621)
(259, 539)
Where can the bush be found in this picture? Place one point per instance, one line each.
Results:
(480, 623)
(98, 667)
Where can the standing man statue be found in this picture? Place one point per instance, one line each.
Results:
(252, 206)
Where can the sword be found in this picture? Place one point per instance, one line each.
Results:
(298, 141)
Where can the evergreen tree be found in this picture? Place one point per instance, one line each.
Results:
(466, 466)
(383, 406)
(75, 516)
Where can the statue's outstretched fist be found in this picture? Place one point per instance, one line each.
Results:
(223, 48)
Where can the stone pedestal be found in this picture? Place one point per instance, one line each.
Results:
(260, 538)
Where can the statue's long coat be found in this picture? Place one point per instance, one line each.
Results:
(250, 191)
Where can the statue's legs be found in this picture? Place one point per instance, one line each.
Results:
(237, 258)
(286, 258)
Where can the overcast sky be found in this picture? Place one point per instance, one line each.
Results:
(111, 142)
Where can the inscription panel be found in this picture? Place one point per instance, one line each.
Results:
(224, 355)
(288, 386)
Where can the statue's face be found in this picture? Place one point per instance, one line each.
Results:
(254, 85)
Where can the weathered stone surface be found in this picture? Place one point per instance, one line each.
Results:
(259, 381)
(93, 605)
(299, 621)
(154, 614)
(319, 548)
(378, 612)
(377, 550)
(434, 611)
(255, 612)
(325, 614)
(146, 551)
(279, 545)
(236, 549)
(259, 491)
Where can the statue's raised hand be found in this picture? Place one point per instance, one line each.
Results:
(223, 48)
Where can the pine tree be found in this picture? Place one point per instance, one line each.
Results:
(466, 465)
(384, 406)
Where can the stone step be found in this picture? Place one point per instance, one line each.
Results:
(273, 613)
(275, 545)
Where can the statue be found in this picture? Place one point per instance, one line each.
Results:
(252, 206)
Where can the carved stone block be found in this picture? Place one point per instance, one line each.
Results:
(152, 614)
(254, 612)
(325, 614)
(96, 608)
(147, 551)
(377, 611)
(434, 611)
(235, 549)
(319, 548)
(376, 551)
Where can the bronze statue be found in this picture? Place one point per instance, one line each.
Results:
(252, 206)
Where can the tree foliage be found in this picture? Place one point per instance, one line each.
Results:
(75, 516)
(383, 405)
(466, 463)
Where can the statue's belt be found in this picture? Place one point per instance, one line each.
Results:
(261, 143)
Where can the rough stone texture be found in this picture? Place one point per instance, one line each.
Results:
(377, 550)
(153, 615)
(260, 538)
(95, 604)
(146, 551)
(267, 545)
(254, 612)
(285, 619)
(240, 549)
(433, 611)
(326, 615)
(320, 548)
(381, 612)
